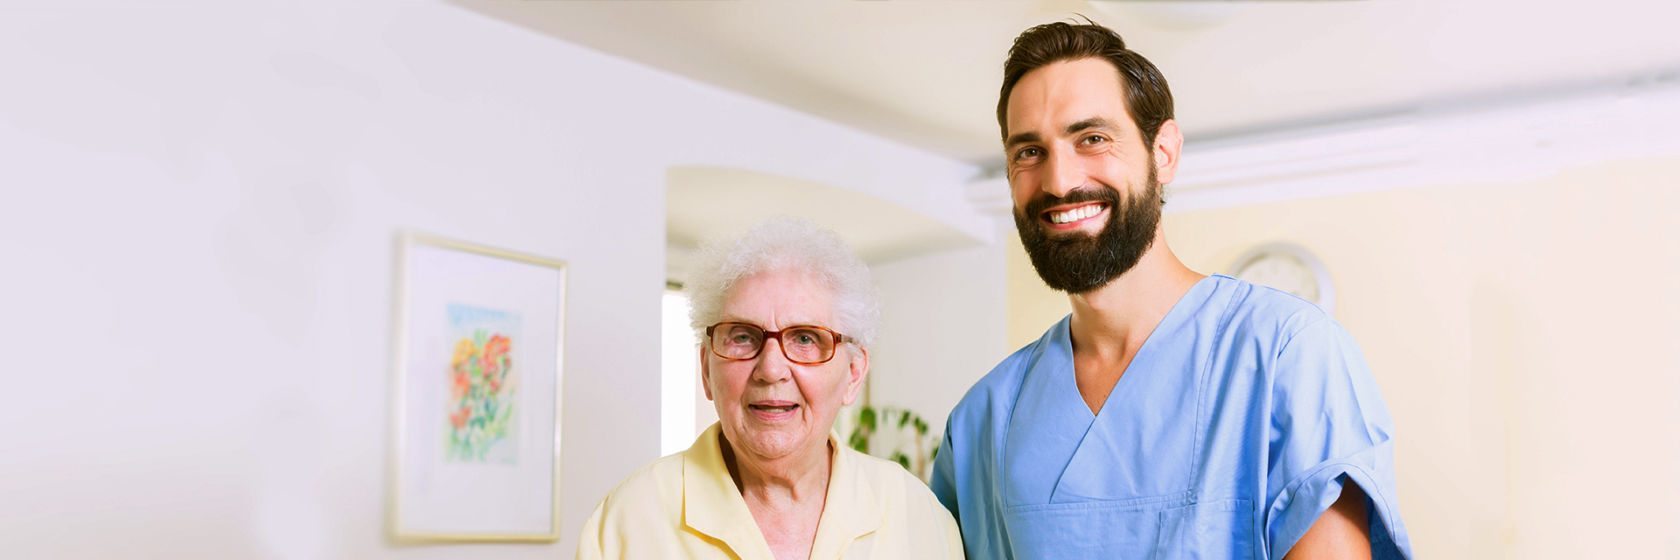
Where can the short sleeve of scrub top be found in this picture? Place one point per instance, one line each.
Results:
(1328, 426)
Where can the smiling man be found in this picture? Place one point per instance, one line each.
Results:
(1171, 414)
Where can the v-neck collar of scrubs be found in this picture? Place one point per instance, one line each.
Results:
(1051, 423)
(1180, 311)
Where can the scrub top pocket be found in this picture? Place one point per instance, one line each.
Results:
(1222, 529)
(1102, 529)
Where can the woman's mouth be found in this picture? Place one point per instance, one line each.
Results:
(773, 410)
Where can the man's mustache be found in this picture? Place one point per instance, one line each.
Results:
(1044, 201)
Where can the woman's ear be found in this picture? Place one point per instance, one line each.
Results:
(857, 370)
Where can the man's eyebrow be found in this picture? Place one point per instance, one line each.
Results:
(1076, 127)
(1090, 123)
(1022, 138)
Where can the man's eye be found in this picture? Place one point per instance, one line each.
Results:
(1093, 140)
(1028, 153)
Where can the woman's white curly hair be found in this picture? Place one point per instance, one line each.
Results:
(783, 244)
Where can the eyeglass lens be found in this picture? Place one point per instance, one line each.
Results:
(740, 341)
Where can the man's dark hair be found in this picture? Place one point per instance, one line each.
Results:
(1147, 96)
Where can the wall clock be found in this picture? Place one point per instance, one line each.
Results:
(1288, 267)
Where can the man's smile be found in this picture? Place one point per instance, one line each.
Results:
(1065, 218)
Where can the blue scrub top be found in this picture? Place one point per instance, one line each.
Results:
(1231, 431)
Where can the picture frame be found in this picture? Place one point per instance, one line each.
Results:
(476, 394)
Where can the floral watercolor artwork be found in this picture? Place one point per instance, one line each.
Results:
(481, 406)
(478, 358)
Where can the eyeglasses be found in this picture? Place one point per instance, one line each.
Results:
(801, 344)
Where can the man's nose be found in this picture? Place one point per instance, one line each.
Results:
(1062, 173)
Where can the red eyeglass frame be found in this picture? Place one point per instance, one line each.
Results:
(768, 334)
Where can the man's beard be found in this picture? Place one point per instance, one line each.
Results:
(1078, 263)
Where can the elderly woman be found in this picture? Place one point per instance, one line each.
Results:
(785, 314)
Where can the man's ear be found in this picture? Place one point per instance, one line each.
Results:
(705, 372)
(1169, 141)
(857, 370)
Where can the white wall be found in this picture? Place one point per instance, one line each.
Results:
(942, 328)
(200, 204)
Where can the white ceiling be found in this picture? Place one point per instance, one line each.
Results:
(926, 72)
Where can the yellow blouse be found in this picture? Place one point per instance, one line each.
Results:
(685, 506)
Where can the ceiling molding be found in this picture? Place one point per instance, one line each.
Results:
(1537, 136)
(1512, 141)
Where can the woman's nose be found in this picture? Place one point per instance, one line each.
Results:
(772, 366)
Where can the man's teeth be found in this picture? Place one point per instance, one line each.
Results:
(1075, 214)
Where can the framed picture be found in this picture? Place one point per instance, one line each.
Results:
(477, 393)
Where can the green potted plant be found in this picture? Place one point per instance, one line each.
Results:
(896, 434)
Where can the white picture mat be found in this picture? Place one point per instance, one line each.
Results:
(437, 497)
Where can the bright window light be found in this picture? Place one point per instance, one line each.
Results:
(678, 374)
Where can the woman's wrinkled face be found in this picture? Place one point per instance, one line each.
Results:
(771, 408)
